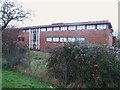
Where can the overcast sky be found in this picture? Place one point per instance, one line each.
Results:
(54, 11)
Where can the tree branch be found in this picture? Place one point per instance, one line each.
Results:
(10, 11)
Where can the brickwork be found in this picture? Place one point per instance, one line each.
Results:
(95, 36)
(26, 39)
(98, 36)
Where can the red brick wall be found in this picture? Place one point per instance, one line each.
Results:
(92, 36)
(26, 39)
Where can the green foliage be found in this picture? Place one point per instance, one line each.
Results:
(12, 79)
(89, 64)
(118, 42)
(12, 55)
(22, 49)
(36, 55)
(15, 56)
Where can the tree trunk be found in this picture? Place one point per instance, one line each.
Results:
(0, 59)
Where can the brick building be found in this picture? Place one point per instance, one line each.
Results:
(50, 36)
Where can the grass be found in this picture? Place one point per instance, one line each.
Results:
(36, 55)
(36, 69)
(38, 60)
(12, 79)
(0, 78)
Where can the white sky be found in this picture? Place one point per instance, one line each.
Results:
(54, 11)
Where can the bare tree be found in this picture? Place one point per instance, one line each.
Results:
(11, 11)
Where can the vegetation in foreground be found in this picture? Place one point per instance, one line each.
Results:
(31, 63)
(12, 79)
(118, 43)
(85, 65)
(72, 65)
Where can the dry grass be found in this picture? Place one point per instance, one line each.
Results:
(38, 66)
(76, 85)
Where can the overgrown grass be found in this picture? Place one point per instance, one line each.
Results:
(36, 55)
(38, 59)
(0, 78)
(37, 66)
(35, 69)
(12, 79)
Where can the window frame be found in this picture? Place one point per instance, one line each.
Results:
(80, 39)
(90, 27)
(63, 40)
(43, 29)
(80, 27)
(100, 26)
(56, 28)
(20, 39)
(63, 28)
(71, 28)
(55, 40)
(49, 29)
(71, 38)
(48, 38)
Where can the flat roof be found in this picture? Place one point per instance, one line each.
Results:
(69, 24)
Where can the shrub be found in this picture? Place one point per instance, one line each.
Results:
(89, 64)
(118, 42)
(12, 55)
(15, 57)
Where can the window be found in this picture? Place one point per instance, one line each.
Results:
(102, 26)
(38, 29)
(23, 30)
(49, 39)
(34, 36)
(20, 39)
(71, 39)
(55, 39)
(63, 39)
(71, 27)
(49, 29)
(80, 27)
(63, 28)
(27, 30)
(55, 28)
(81, 39)
(43, 29)
(91, 27)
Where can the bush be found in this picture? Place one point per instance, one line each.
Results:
(118, 42)
(89, 64)
(14, 57)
